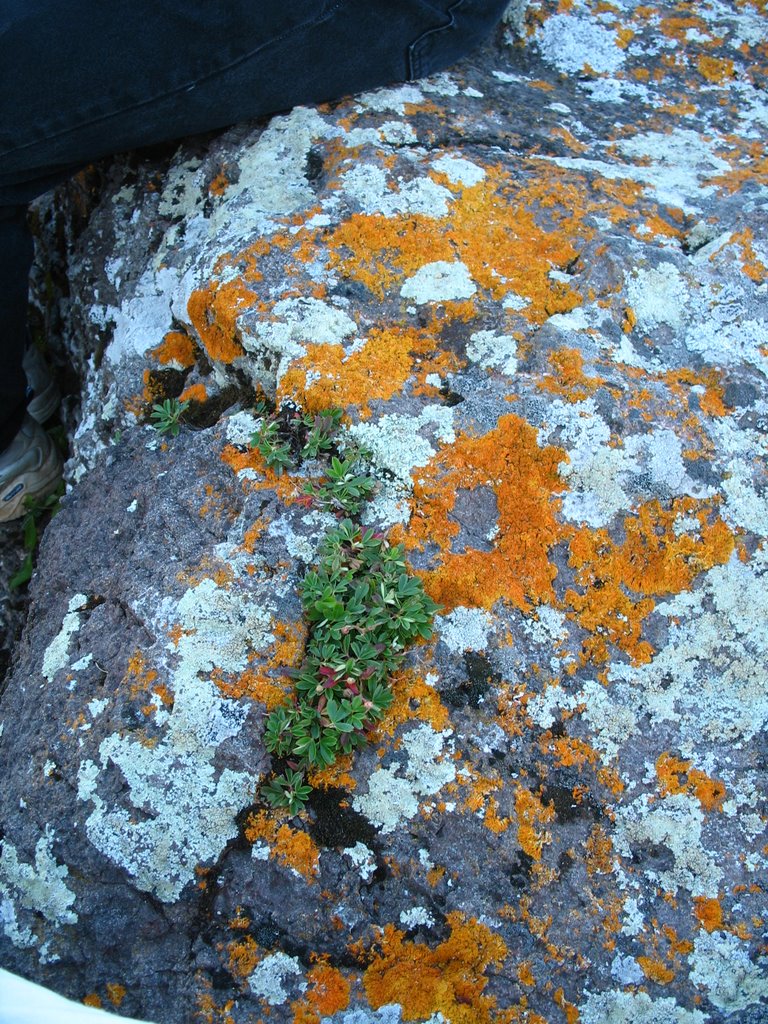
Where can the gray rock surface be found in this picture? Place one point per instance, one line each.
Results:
(538, 287)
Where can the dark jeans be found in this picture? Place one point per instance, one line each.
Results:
(82, 79)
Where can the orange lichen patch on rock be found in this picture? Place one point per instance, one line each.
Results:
(138, 675)
(194, 393)
(209, 1012)
(711, 402)
(653, 559)
(92, 999)
(218, 185)
(336, 775)
(753, 267)
(243, 955)
(656, 970)
(378, 370)
(511, 712)
(599, 852)
(677, 776)
(568, 378)
(717, 70)
(624, 194)
(252, 534)
(571, 1012)
(572, 752)
(289, 846)
(327, 993)
(532, 816)
(208, 568)
(116, 993)
(214, 310)
(525, 974)
(449, 979)
(524, 478)
(176, 349)
(238, 460)
(414, 698)
(493, 227)
(559, 132)
(708, 912)
(268, 683)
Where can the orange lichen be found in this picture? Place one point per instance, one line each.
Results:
(93, 999)
(492, 217)
(677, 776)
(194, 393)
(116, 993)
(525, 974)
(599, 852)
(327, 992)
(717, 70)
(176, 348)
(708, 912)
(569, 378)
(378, 370)
(524, 479)
(652, 559)
(138, 675)
(571, 1012)
(214, 310)
(414, 698)
(450, 978)
(208, 568)
(532, 815)
(290, 847)
(655, 970)
(244, 954)
(753, 267)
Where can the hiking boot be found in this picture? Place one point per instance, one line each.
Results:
(30, 467)
(45, 397)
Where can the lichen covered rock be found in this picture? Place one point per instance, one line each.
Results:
(537, 287)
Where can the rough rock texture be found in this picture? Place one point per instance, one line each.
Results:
(537, 285)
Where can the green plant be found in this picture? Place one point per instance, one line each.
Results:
(343, 489)
(362, 606)
(363, 610)
(275, 451)
(167, 416)
(31, 527)
(288, 790)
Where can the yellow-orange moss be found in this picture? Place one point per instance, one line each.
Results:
(524, 479)
(176, 348)
(652, 559)
(450, 979)
(214, 310)
(327, 993)
(532, 816)
(289, 846)
(568, 378)
(677, 776)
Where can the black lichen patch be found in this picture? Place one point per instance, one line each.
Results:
(336, 825)
(480, 677)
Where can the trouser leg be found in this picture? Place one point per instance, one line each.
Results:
(84, 79)
(15, 260)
